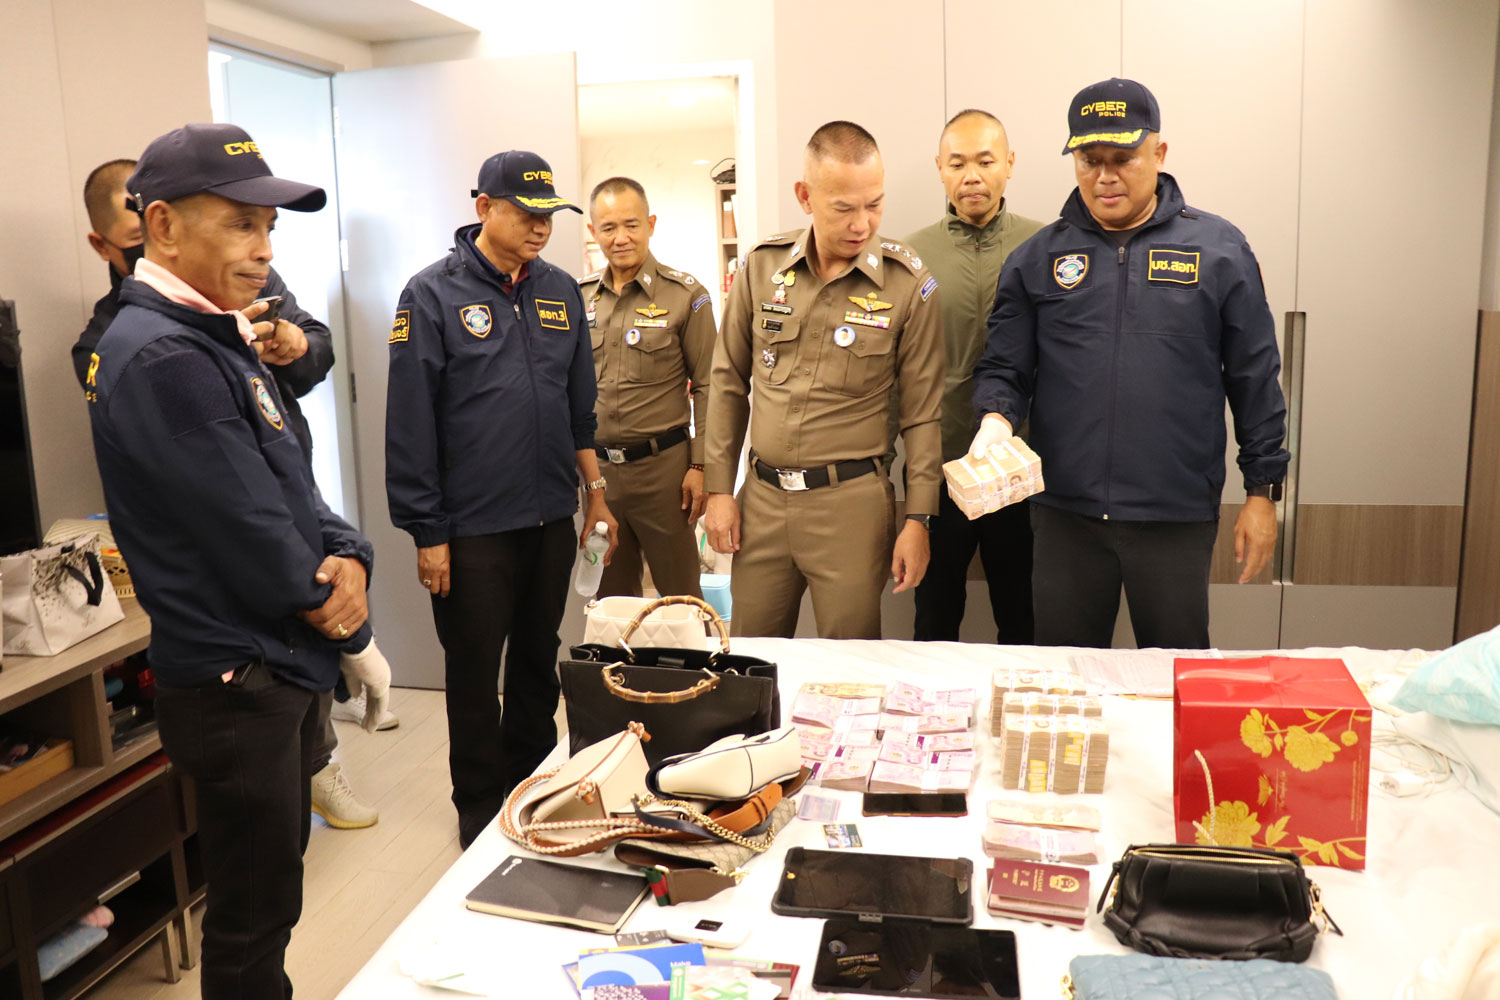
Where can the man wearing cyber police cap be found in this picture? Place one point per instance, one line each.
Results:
(1120, 330)
(256, 591)
(489, 426)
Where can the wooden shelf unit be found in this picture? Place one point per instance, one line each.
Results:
(729, 239)
(116, 814)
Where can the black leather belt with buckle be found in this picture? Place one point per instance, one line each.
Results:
(798, 480)
(636, 452)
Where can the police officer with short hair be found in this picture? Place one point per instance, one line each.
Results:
(825, 324)
(652, 330)
(1120, 329)
(255, 589)
(489, 423)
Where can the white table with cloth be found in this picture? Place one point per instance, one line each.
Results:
(1433, 859)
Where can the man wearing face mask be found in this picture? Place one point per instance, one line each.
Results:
(652, 330)
(825, 323)
(1120, 330)
(298, 353)
(965, 252)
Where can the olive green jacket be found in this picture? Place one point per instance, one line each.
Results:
(966, 262)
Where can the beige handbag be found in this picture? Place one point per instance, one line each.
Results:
(671, 626)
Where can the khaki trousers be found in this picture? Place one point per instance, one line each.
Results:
(645, 496)
(835, 540)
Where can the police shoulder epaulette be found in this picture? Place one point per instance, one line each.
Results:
(780, 239)
(896, 251)
(681, 277)
(596, 276)
(1188, 213)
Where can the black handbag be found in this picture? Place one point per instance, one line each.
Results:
(686, 698)
(1195, 901)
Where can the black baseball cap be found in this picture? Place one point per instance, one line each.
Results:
(1112, 112)
(218, 159)
(523, 178)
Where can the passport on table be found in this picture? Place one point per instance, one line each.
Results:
(589, 898)
(1033, 890)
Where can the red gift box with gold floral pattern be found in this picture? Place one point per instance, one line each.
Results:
(1272, 752)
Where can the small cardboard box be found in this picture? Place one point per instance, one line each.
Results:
(1285, 747)
(56, 758)
(1008, 473)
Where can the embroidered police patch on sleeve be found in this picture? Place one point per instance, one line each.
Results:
(553, 315)
(266, 403)
(1180, 267)
(477, 320)
(700, 301)
(1070, 269)
(401, 328)
(928, 287)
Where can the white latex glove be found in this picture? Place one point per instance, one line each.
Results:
(993, 429)
(367, 672)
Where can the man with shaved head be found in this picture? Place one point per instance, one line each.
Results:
(1120, 330)
(826, 323)
(965, 251)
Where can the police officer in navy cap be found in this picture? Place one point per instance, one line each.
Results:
(1121, 329)
(255, 589)
(489, 430)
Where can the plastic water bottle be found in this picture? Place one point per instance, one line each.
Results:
(591, 562)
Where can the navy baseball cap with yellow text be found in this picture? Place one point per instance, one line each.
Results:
(218, 159)
(1112, 112)
(522, 178)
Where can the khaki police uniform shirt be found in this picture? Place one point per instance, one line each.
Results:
(649, 342)
(823, 360)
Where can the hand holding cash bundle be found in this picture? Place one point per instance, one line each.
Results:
(1005, 473)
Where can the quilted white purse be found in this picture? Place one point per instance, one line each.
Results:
(671, 626)
(1125, 977)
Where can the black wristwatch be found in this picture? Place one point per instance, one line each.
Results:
(1271, 491)
(925, 520)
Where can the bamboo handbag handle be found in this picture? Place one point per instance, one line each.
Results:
(616, 686)
(704, 608)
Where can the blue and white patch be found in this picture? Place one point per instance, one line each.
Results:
(1069, 269)
(928, 287)
(701, 301)
(477, 320)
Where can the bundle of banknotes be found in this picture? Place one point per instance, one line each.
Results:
(1055, 753)
(1005, 474)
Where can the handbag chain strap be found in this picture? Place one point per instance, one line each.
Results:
(713, 826)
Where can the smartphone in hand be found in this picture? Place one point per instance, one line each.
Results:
(271, 315)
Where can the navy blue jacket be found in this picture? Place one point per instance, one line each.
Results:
(294, 380)
(210, 497)
(1123, 357)
(490, 397)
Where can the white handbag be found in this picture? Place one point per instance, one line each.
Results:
(735, 767)
(56, 596)
(673, 626)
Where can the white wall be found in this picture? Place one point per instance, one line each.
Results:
(77, 91)
(672, 38)
(273, 35)
(682, 197)
(1489, 279)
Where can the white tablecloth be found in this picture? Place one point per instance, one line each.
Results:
(1433, 868)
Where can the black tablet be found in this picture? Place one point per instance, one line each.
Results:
(916, 959)
(875, 886)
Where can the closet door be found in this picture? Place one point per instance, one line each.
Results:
(1395, 143)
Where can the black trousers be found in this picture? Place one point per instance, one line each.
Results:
(1081, 562)
(249, 748)
(1004, 543)
(508, 593)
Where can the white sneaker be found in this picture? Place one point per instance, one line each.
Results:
(334, 800)
(353, 711)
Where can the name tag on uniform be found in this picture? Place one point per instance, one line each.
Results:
(1180, 267)
(866, 319)
(773, 325)
(776, 307)
(552, 315)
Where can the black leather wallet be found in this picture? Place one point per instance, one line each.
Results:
(1199, 901)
